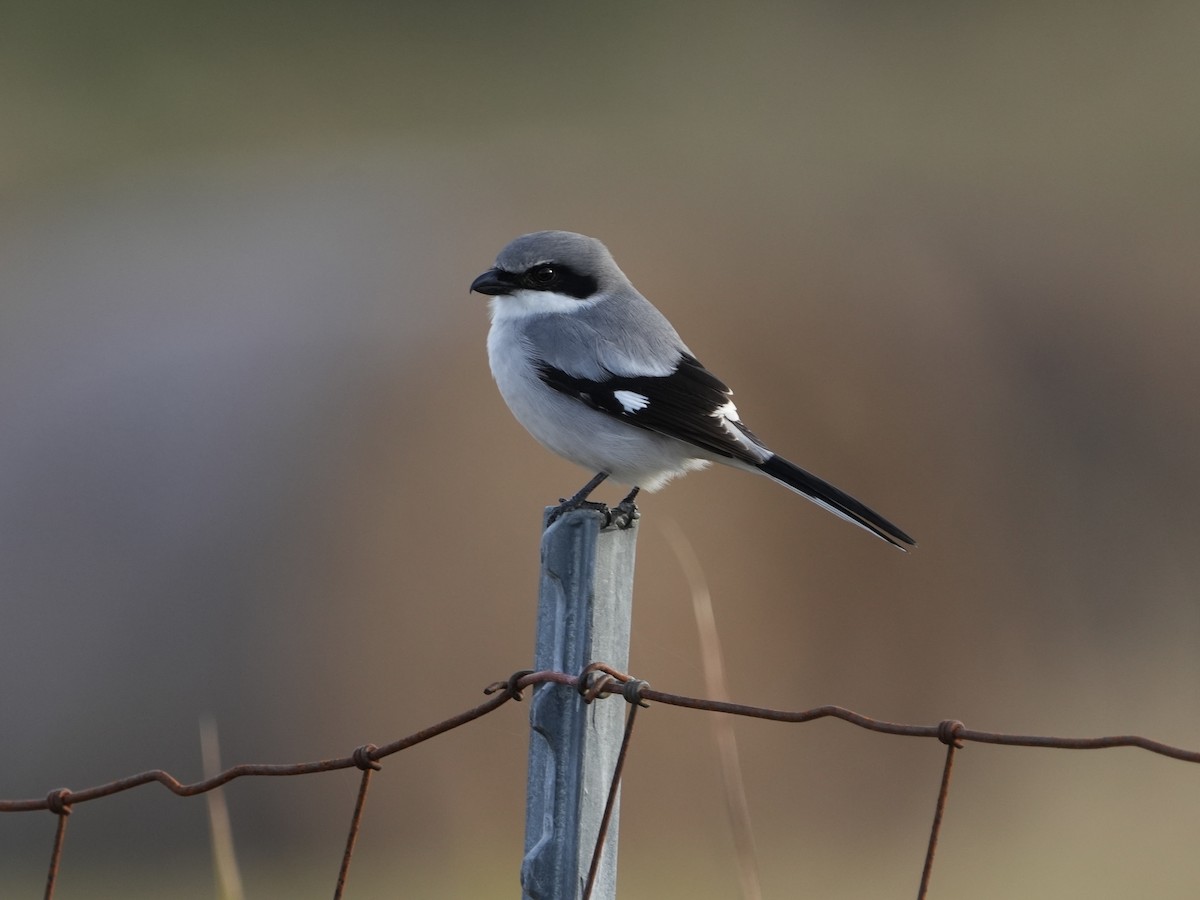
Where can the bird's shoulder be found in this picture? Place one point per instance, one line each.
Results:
(621, 335)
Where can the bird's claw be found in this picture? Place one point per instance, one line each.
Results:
(621, 516)
(566, 506)
(624, 514)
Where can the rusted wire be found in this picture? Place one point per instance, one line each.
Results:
(362, 759)
(57, 804)
(927, 731)
(500, 695)
(598, 680)
(594, 682)
(632, 693)
(503, 691)
(948, 734)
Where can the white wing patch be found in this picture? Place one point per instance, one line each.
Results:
(728, 411)
(727, 415)
(631, 401)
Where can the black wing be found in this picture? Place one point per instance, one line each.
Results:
(686, 404)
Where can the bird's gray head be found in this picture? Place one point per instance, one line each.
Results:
(555, 262)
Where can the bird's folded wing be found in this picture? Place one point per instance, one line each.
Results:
(690, 404)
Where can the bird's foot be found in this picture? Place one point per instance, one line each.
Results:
(574, 503)
(624, 514)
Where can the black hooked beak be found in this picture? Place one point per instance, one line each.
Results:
(493, 282)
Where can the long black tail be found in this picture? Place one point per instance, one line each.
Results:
(836, 501)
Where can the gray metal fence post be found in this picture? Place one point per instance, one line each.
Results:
(584, 607)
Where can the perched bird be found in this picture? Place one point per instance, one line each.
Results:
(598, 375)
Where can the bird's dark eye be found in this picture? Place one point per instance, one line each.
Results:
(543, 276)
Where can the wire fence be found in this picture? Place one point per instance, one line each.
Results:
(595, 682)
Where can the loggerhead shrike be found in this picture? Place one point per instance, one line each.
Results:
(599, 376)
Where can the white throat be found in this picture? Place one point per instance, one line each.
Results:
(525, 303)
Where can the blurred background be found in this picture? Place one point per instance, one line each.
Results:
(253, 465)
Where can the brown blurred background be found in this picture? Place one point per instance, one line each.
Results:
(253, 465)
